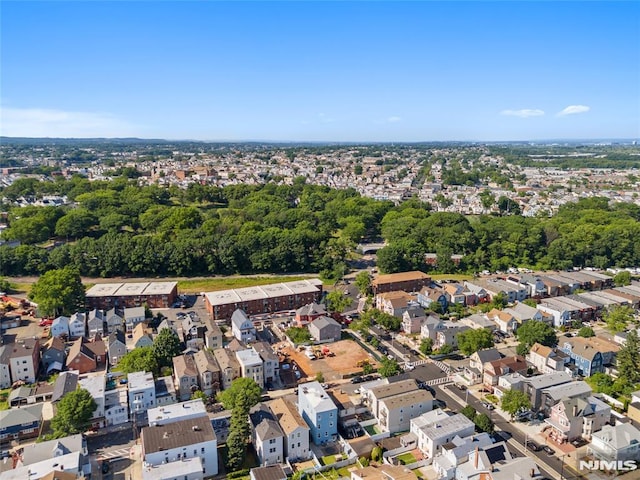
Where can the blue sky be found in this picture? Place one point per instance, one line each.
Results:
(321, 71)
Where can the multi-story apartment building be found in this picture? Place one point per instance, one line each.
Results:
(319, 411)
(251, 365)
(295, 429)
(142, 392)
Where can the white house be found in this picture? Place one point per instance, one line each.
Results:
(434, 429)
(179, 441)
(96, 386)
(185, 469)
(132, 317)
(617, 443)
(142, 392)
(176, 412)
(295, 429)
(242, 327)
(116, 407)
(267, 436)
(95, 323)
(77, 325)
(60, 327)
(396, 412)
(251, 365)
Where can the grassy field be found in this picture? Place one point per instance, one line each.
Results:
(407, 458)
(450, 276)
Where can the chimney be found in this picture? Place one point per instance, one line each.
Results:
(575, 410)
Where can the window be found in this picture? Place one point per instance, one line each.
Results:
(272, 441)
(202, 450)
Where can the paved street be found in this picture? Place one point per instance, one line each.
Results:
(547, 463)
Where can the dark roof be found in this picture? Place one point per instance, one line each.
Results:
(496, 453)
(117, 335)
(259, 413)
(65, 383)
(322, 322)
(268, 429)
(178, 434)
(272, 472)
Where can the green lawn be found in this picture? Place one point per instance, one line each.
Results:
(372, 429)
(328, 460)
(407, 458)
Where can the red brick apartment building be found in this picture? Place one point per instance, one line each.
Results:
(105, 296)
(405, 281)
(275, 297)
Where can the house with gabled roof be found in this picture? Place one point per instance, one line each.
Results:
(185, 374)
(295, 429)
(589, 355)
(20, 423)
(266, 435)
(308, 313)
(53, 354)
(60, 327)
(95, 323)
(497, 368)
(24, 359)
(133, 316)
(37, 452)
(573, 418)
(325, 329)
(412, 319)
(616, 443)
(116, 346)
(86, 356)
(77, 325)
(141, 337)
(229, 366)
(394, 303)
(208, 372)
(242, 327)
(547, 359)
(115, 320)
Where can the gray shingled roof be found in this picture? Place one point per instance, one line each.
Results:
(177, 435)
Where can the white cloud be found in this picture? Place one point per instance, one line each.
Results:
(394, 119)
(523, 113)
(41, 122)
(573, 109)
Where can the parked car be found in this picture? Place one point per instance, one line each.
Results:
(549, 450)
(356, 380)
(533, 446)
(488, 406)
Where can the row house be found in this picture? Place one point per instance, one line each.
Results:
(318, 411)
(406, 281)
(229, 366)
(271, 363)
(511, 292)
(534, 285)
(266, 435)
(185, 373)
(251, 365)
(547, 359)
(208, 372)
(535, 386)
(431, 297)
(213, 337)
(53, 355)
(116, 406)
(575, 418)
(522, 312)
(142, 392)
(295, 429)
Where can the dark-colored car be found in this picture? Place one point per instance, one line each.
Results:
(356, 380)
(533, 446)
(105, 467)
(549, 450)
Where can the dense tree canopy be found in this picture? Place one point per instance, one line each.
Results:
(242, 390)
(73, 414)
(474, 339)
(535, 332)
(139, 360)
(58, 292)
(166, 346)
(514, 401)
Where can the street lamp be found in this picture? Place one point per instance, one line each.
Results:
(562, 467)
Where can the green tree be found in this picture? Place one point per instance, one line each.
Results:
(484, 423)
(139, 360)
(166, 346)
(426, 346)
(474, 339)
(337, 301)
(320, 377)
(628, 359)
(514, 401)
(73, 414)
(469, 412)
(376, 454)
(363, 282)
(199, 394)
(586, 332)
(535, 332)
(298, 334)
(367, 368)
(389, 367)
(242, 390)
(445, 349)
(622, 279)
(59, 292)
(239, 431)
(618, 317)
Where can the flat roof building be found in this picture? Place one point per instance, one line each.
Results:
(110, 295)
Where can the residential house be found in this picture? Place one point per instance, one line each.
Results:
(474, 373)
(406, 281)
(24, 359)
(396, 412)
(431, 297)
(534, 284)
(116, 346)
(617, 443)
(383, 472)
(295, 429)
(142, 392)
(208, 371)
(185, 373)
(589, 355)
(394, 303)
(449, 335)
(185, 469)
(572, 390)
(165, 391)
(242, 327)
(458, 294)
(96, 322)
(555, 287)
(86, 356)
(49, 469)
(133, 316)
(193, 330)
(319, 411)
(116, 406)
(266, 435)
(325, 329)
(478, 291)
(251, 365)
(53, 355)
(78, 325)
(58, 448)
(437, 428)
(523, 313)
(535, 386)
(180, 441)
(456, 452)
(478, 321)
(140, 337)
(20, 423)
(229, 366)
(115, 320)
(506, 322)
(497, 368)
(65, 383)
(168, 414)
(577, 418)
(96, 386)
(547, 359)
(562, 312)
(213, 336)
(5, 366)
(494, 462)
(270, 472)
(374, 395)
(431, 326)
(412, 320)
(270, 361)
(60, 327)
(308, 313)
